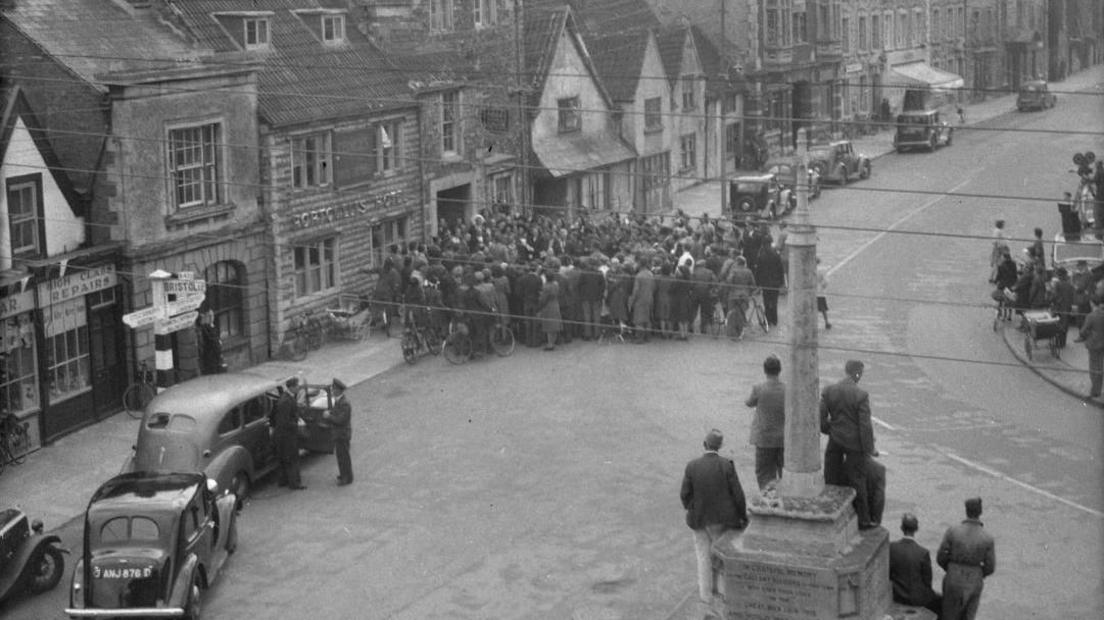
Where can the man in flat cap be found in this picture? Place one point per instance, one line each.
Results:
(285, 435)
(714, 502)
(845, 418)
(968, 555)
(340, 419)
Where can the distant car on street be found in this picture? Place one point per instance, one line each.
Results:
(922, 129)
(758, 196)
(838, 161)
(1035, 95)
(152, 543)
(219, 425)
(785, 170)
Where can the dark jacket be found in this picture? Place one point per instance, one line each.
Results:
(769, 272)
(845, 416)
(968, 545)
(910, 572)
(711, 493)
(592, 285)
(341, 418)
(1092, 330)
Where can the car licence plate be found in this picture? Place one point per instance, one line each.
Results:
(122, 572)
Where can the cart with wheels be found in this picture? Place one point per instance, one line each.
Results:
(1041, 325)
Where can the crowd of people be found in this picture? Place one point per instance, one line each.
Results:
(554, 281)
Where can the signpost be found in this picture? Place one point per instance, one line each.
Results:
(143, 317)
(175, 300)
(163, 327)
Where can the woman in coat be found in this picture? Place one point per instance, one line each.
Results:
(548, 310)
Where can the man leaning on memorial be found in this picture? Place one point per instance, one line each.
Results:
(968, 555)
(714, 503)
(845, 418)
(910, 569)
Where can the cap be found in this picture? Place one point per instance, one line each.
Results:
(714, 440)
(973, 506)
(292, 382)
(339, 384)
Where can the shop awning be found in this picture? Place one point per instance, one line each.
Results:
(565, 154)
(922, 74)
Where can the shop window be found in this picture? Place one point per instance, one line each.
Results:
(225, 294)
(384, 235)
(18, 365)
(688, 147)
(594, 192)
(67, 360)
(195, 165)
(568, 115)
(653, 114)
(450, 122)
(315, 267)
(310, 160)
(24, 219)
(502, 188)
(654, 172)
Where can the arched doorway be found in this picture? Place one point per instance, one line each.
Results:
(226, 286)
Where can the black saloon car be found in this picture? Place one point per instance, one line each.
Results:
(152, 543)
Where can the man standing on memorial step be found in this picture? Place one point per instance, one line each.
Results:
(910, 569)
(968, 555)
(845, 418)
(714, 503)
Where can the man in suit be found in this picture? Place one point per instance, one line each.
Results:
(285, 435)
(768, 425)
(845, 418)
(340, 419)
(1092, 334)
(714, 503)
(771, 277)
(968, 555)
(910, 569)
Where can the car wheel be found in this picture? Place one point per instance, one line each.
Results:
(45, 570)
(240, 487)
(194, 608)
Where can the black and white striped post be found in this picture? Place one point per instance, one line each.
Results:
(162, 343)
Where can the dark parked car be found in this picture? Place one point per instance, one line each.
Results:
(785, 170)
(218, 425)
(30, 561)
(922, 129)
(1035, 95)
(758, 196)
(152, 544)
(837, 161)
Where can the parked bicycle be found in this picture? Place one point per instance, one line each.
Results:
(458, 344)
(419, 340)
(756, 313)
(141, 392)
(502, 340)
(14, 441)
(304, 335)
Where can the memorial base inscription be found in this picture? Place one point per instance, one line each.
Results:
(805, 558)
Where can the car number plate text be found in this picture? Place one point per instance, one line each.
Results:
(122, 573)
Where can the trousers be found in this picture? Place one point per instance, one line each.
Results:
(703, 543)
(844, 467)
(344, 462)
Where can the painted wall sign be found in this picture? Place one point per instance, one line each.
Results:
(78, 283)
(329, 215)
(17, 304)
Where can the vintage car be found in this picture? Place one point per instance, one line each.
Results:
(758, 196)
(218, 425)
(837, 161)
(30, 561)
(785, 170)
(152, 543)
(1034, 95)
(921, 129)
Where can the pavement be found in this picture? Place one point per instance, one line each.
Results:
(55, 482)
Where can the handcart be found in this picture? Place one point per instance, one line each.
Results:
(1041, 325)
(351, 320)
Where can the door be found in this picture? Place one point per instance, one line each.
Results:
(108, 369)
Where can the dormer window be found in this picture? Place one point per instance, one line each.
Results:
(256, 34)
(333, 28)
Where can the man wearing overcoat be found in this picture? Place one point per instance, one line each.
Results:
(845, 418)
(340, 419)
(968, 555)
(285, 435)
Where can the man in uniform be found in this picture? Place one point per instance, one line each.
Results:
(845, 418)
(285, 434)
(968, 556)
(340, 419)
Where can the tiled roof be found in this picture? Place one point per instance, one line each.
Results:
(543, 26)
(709, 58)
(304, 79)
(671, 41)
(619, 59)
(97, 36)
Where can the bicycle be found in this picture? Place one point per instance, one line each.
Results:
(502, 340)
(419, 340)
(14, 441)
(717, 327)
(140, 393)
(299, 340)
(458, 345)
(610, 333)
(756, 313)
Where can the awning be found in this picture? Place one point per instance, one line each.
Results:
(923, 74)
(565, 154)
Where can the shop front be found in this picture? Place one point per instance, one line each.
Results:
(61, 352)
